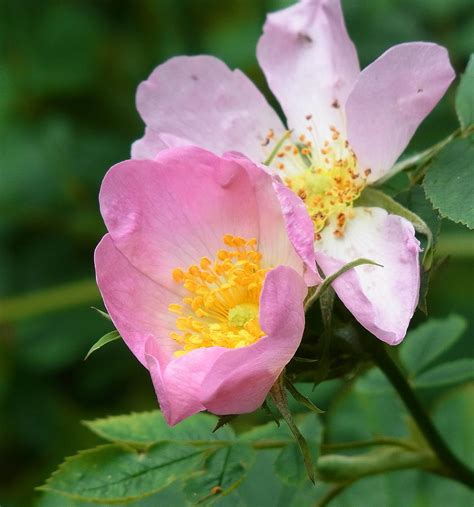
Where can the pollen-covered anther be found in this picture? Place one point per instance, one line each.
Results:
(221, 307)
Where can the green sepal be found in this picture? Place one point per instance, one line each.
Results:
(301, 398)
(102, 313)
(107, 338)
(326, 283)
(223, 420)
(278, 396)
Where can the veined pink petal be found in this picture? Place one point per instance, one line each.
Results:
(299, 228)
(178, 382)
(137, 305)
(234, 381)
(310, 62)
(285, 217)
(391, 97)
(173, 211)
(200, 99)
(382, 299)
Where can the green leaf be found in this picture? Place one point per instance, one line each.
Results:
(223, 472)
(453, 415)
(429, 340)
(404, 488)
(268, 432)
(172, 495)
(147, 428)
(368, 410)
(449, 182)
(465, 96)
(444, 374)
(289, 466)
(113, 473)
(107, 338)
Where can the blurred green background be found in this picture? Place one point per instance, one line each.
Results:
(68, 74)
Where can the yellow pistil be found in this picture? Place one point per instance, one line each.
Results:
(221, 305)
(326, 176)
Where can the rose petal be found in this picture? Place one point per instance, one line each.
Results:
(149, 145)
(234, 381)
(200, 99)
(310, 62)
(299, 228)
(391, 97)
(173, 211)
(177, 382)
(283, 217)
(240, 379)
(382, 299)
(137, 305)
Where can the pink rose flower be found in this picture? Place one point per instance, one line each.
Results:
(348, 129)
(200, 277)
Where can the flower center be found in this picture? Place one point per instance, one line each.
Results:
(222, 302)
(325, 175)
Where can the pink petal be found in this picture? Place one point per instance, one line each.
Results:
(240, 379)
(137, 305)
(175, 210)
(299, 228)
(171, 212)
(177, 382)
(283, 216)
(310, 62)
(234, 381)
(391, 97)
(200, 99)
(382, 299)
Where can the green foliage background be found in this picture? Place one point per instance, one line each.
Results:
(68, 74)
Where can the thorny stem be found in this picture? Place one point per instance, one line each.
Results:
(453, 466)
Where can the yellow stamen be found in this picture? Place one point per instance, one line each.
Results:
(222, 304)
(326, 177)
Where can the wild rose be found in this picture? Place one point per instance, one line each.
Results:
(200, 278)
(348, 128)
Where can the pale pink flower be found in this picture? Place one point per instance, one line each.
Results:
(348, 129)
(200, 278)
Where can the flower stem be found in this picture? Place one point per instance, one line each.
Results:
(453, 466)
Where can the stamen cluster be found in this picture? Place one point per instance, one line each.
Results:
(324, 175)
(221, 308)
